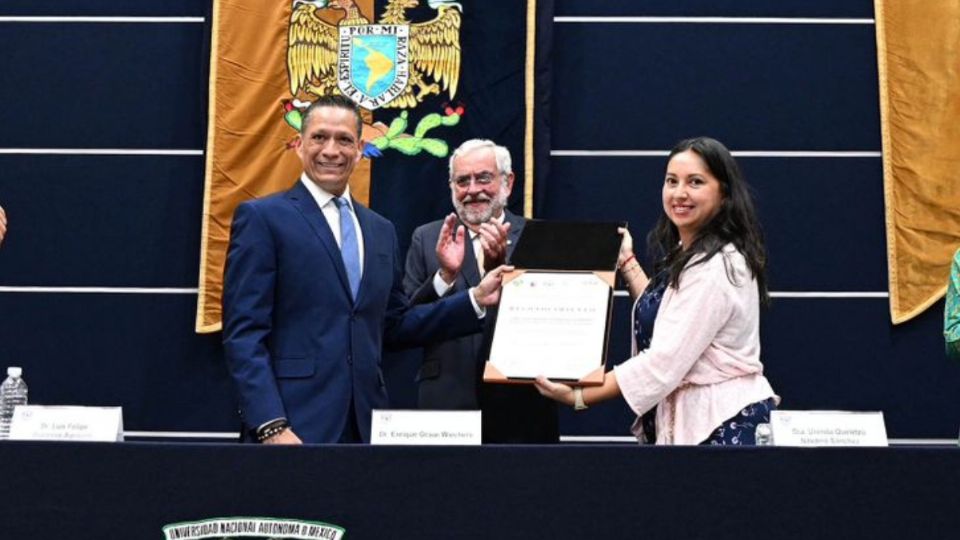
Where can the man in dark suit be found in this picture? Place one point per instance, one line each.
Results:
(450, 376)
(312, 293)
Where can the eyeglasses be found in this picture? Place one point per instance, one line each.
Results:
(482, 179)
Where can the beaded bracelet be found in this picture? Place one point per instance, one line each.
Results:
(630, 258)
(273, 428)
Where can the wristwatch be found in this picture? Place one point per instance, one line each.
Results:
(578, 404)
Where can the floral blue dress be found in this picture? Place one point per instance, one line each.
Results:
(737, 430)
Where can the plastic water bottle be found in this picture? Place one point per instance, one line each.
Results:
(13, 392)
(764, 435)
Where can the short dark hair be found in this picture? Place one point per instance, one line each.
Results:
(338, 101)
(735, 223)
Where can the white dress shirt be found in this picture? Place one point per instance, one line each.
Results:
(332, 213)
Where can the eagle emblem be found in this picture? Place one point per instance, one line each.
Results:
(393, 63)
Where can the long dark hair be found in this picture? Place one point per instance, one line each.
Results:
(735, 223)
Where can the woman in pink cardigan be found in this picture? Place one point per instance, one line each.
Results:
(695, 376)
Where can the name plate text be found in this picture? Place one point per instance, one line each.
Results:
(436, 428)
(828, 428)
(66, 423)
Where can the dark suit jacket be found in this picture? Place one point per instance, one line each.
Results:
(296, 343)
(451, 375)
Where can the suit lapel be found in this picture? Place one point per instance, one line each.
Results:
(304, 202)
(516, 228)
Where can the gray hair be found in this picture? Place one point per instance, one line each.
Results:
(501, 153)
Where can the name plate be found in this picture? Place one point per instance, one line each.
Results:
(828, 428)
(436, 428)
(66, 423)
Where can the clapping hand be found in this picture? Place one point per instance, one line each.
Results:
(493, 240)
(450, 246)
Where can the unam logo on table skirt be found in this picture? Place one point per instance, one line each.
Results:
(252, 527)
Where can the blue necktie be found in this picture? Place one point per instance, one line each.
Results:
(349, 248)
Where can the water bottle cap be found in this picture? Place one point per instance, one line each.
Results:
(14, 372)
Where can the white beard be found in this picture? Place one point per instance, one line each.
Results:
(476, 217)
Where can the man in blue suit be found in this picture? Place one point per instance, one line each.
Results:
(450, 376)
(312, 293)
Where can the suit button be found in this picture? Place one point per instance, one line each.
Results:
(350, 359)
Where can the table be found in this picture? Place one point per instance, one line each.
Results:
(131, 490)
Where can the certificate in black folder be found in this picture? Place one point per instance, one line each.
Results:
(554, 313)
